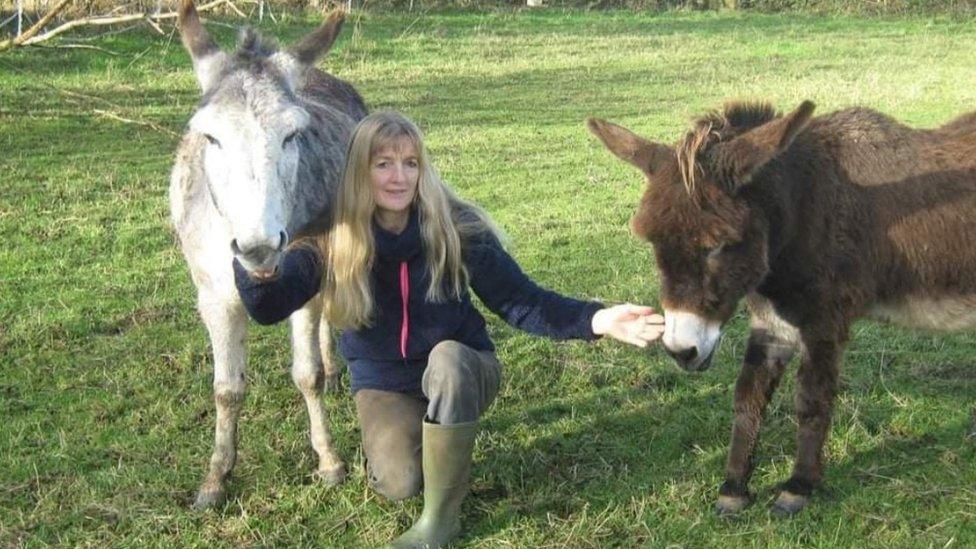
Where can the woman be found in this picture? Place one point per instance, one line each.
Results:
(403, 254)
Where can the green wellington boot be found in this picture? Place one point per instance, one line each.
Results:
(447, 466)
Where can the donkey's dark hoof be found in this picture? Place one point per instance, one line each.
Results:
(208, 499)
(331, 385)
(789, 504)
(731, 506)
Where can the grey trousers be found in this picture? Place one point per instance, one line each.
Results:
(459, 384)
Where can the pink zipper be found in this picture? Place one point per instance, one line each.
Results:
(404, 296)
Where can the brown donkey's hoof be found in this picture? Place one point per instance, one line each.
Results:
(789, 504)
(333, 476)
(209, 498)
(730, 506)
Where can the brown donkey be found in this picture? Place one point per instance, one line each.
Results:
(815, 222)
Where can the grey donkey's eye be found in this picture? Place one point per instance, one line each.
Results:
(212, 140)
(289, 139)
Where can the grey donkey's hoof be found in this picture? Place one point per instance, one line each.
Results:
(331, 476)
(789, 504)
(331, 384)
(209, 498)
(731, 506)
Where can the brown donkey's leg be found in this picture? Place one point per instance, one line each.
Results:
(766, 357)
(814, 402)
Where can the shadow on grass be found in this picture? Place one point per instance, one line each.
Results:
(614, 458)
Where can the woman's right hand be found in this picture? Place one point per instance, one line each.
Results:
(635, 324)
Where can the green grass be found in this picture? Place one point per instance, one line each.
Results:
(105, 402)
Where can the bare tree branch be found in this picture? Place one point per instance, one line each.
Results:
(29, 37)
(35, 28)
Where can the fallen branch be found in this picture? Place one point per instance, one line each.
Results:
(73, 96)
(236, 9)
(80, 47)
(156, 27)
(148, 124)
(30, 37)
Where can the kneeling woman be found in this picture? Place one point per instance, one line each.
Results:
(403, 254)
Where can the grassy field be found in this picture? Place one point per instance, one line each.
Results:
(106, 415)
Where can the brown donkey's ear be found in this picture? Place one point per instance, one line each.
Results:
(628, 146)
(207, 57)
(745, 155)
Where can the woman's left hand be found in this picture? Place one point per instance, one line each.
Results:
(634, 324)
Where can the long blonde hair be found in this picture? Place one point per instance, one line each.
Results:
(446, 222)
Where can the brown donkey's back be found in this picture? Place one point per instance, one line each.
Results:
(887, 215)
(815, 221)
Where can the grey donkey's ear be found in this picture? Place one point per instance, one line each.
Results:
(319, 41)
(208, 60)
(302, 56)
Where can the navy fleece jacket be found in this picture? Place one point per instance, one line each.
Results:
(391, 353)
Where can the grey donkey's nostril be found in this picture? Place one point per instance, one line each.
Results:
(685, 356)
(259, 250)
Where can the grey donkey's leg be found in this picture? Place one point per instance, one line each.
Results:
(308, 373)
(227, 325)
(331, 367)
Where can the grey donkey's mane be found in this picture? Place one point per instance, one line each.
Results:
(252, 49)
(251, 56)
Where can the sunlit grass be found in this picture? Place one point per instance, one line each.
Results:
(105, 392)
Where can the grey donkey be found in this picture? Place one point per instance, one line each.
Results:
(259, 166)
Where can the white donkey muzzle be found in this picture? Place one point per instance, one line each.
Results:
(260, 256)
(691, 339)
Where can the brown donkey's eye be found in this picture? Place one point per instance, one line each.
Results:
(713, 260)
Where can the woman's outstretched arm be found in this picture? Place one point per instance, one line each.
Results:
(508, 292)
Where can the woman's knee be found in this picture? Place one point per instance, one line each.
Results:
(391, 431)
(447, 369)
(448, 352)
(395, 481)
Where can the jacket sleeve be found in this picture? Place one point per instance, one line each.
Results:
(269, 302)
(502, 286)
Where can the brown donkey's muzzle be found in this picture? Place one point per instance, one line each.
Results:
(688, 359)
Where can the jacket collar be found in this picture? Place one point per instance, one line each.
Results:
(399, 247)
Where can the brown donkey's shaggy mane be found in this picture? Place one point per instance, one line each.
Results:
(734, 119)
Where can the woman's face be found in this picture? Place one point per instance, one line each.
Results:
(394, 171)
